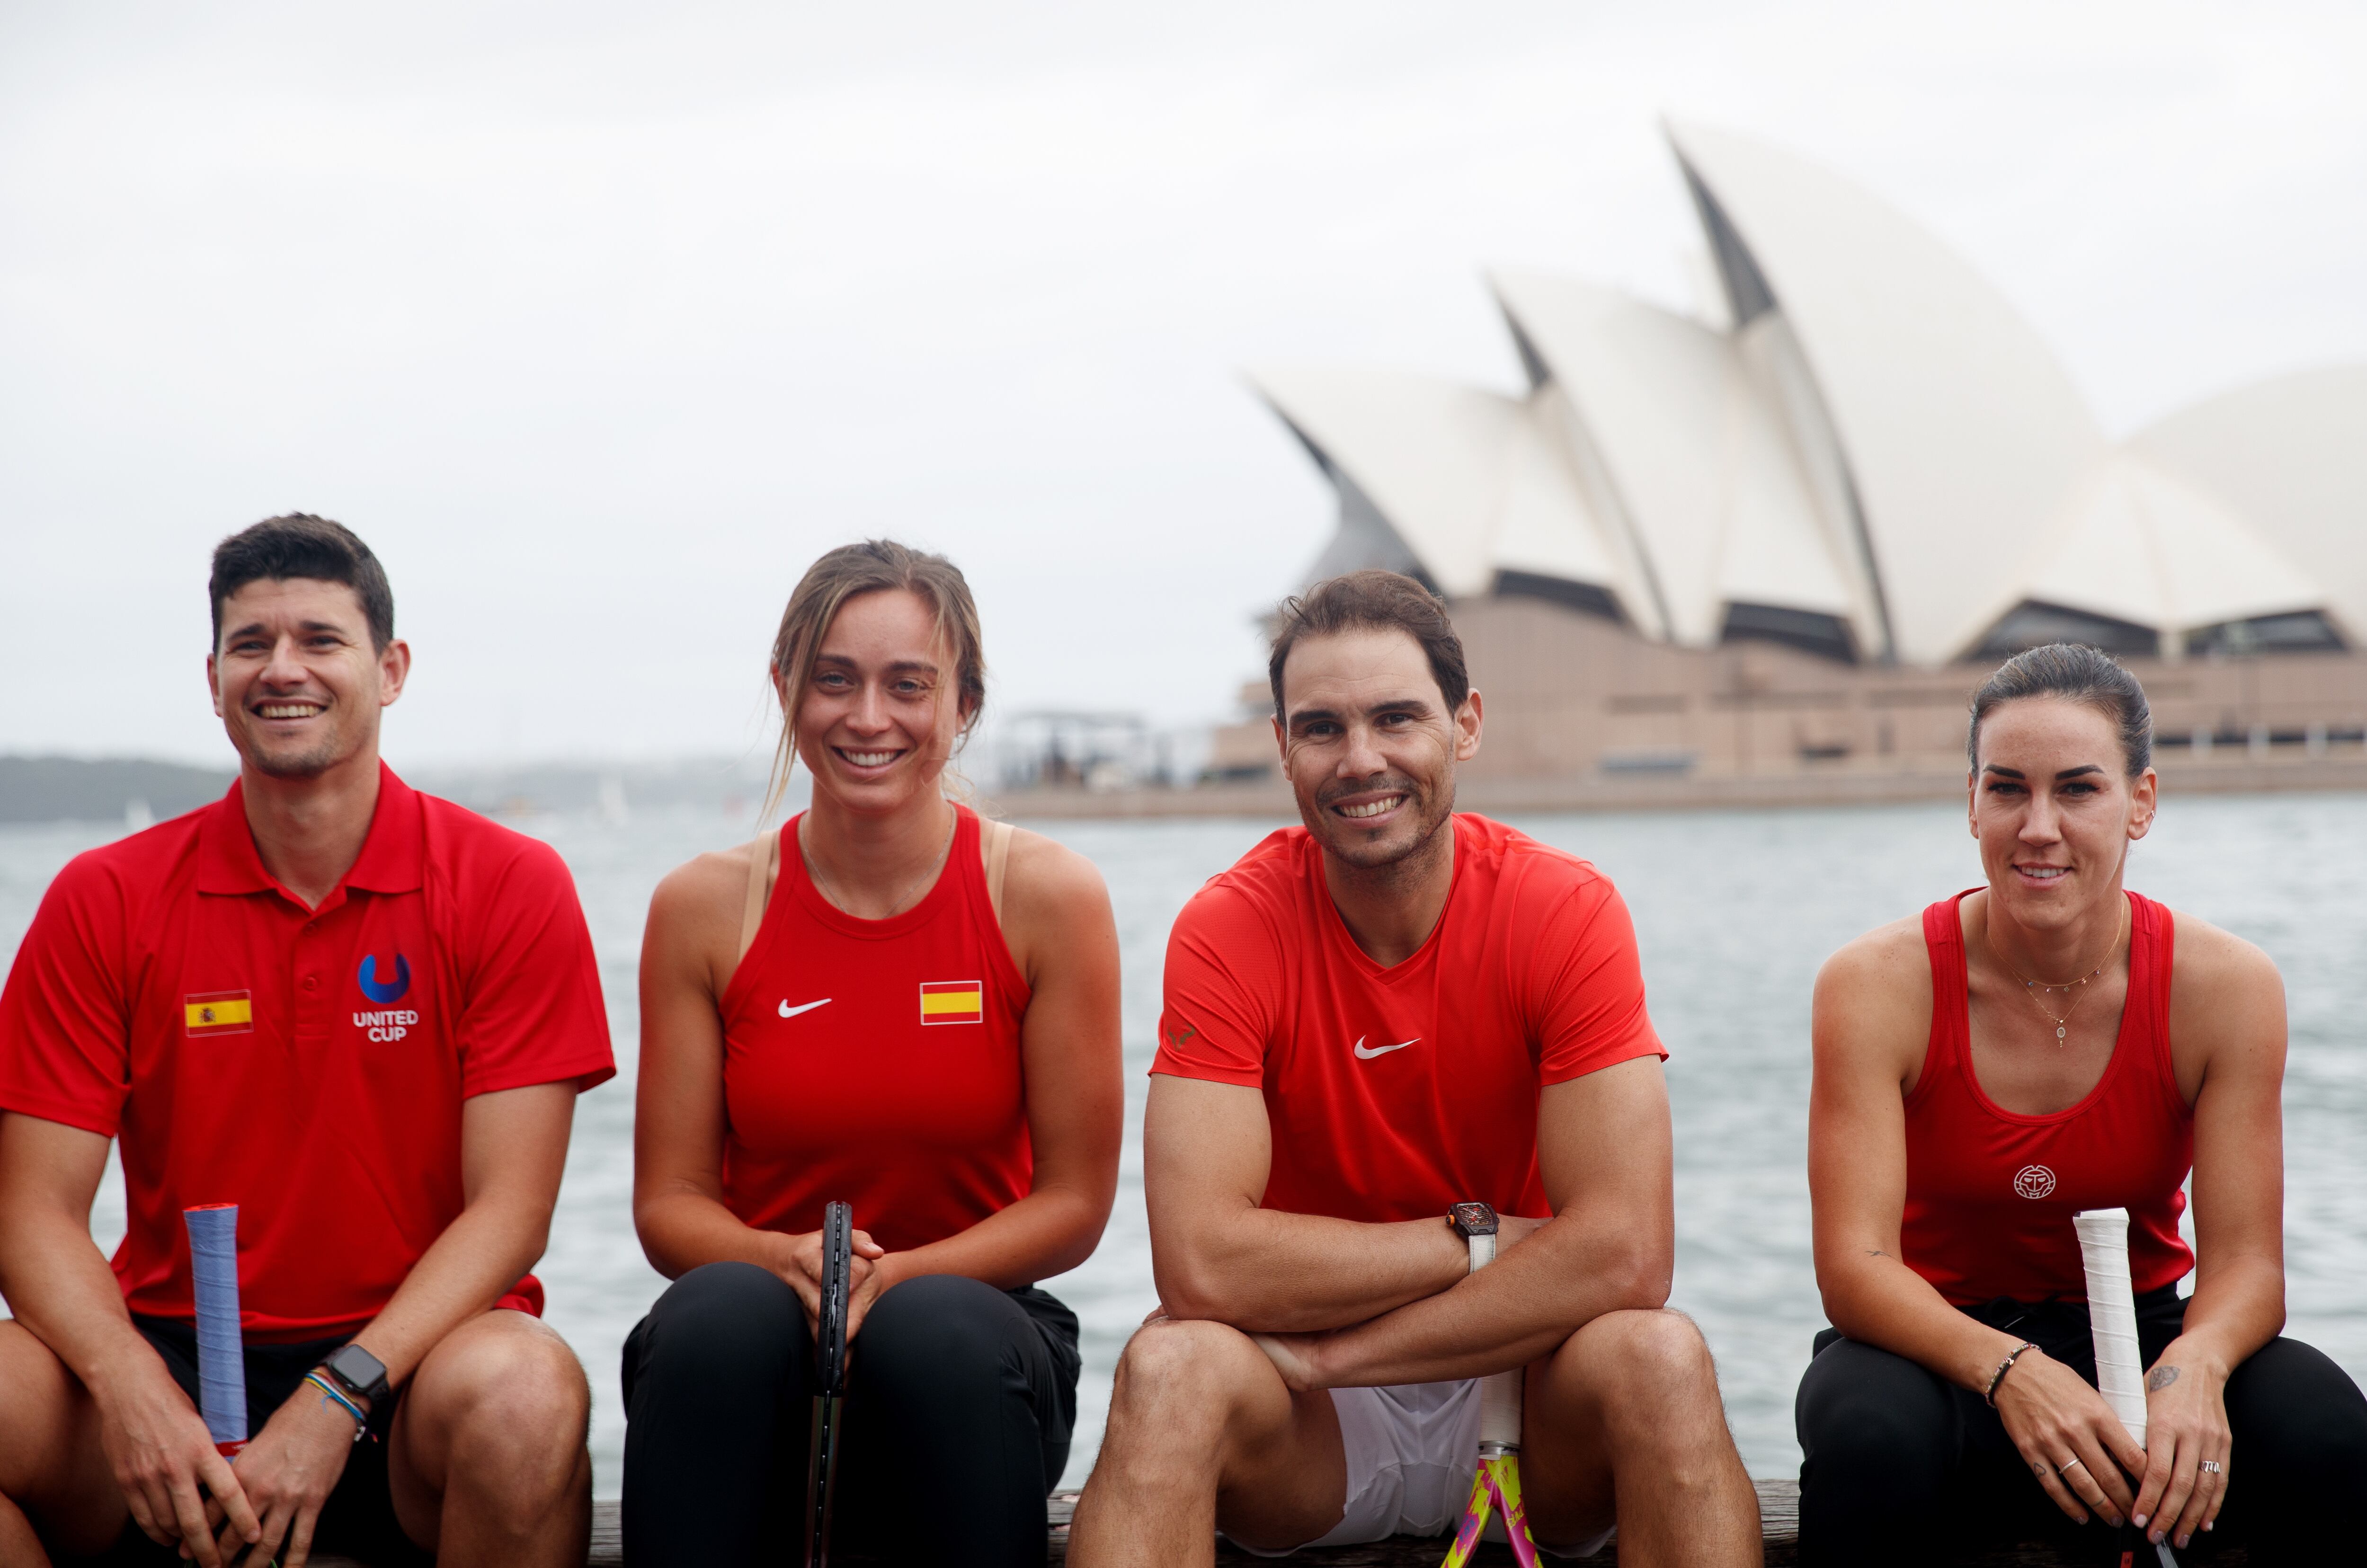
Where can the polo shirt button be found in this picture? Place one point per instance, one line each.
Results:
(311, 981)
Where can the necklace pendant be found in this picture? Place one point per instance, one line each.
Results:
(2058, 1032)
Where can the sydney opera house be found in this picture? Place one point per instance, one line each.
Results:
(1788, 540)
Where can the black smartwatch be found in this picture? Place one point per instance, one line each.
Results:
(1472, 1219)
(363, 1375)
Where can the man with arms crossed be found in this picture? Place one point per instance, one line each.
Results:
(1369, 1019)
(360, 1014)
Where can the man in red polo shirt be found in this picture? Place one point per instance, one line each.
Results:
(360, 1014)
(1371, 1020)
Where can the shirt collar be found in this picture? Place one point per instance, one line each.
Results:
(390, 861)
(393, 857)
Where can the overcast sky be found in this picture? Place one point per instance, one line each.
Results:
(599, 322)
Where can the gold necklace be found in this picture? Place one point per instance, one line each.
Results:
(936, 864)
(2062, 1025)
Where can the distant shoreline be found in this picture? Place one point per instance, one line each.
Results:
(2227, 772)
(109, 789)
(138, 791)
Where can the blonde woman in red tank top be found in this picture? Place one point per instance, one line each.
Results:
(895, 1004)
(2045, 1044)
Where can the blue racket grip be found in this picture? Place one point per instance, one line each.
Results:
(222, 1362)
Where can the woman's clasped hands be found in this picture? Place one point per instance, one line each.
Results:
(799, 1261)
(2083, 1456)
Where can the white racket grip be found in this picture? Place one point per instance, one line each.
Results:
(1499, 1410)
(1500, 1396)
(2113, 1315)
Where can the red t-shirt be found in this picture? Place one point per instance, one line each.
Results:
(307, 1066)
(1394, 1093)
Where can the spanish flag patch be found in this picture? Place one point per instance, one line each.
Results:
(953, 1002)
(218, 1012)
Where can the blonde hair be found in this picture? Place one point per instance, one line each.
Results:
(874, 566)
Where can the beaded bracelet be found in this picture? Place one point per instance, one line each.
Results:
(332, 1393)
(1996, 1377)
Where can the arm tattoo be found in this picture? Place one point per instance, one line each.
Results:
(1876, 1252)
(2160, 1378)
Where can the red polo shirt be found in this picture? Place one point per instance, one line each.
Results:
(308, 1065)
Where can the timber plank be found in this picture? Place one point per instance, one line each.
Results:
(1779, 1517)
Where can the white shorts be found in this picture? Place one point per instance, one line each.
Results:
(1411, 1453)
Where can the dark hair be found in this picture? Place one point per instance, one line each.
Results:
(301, 544)
(2077, 673)
(1377, 601)
(872, 567)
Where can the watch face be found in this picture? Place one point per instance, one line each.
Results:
(1473, 1219)
(360, 1371)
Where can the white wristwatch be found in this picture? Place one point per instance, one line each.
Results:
(1476, 1223)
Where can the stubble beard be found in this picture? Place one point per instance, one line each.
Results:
(1433, 805)
(308, 763)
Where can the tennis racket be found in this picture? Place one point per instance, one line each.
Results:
(830, 1368)
(2113, 1323)
(221, 1361)
(1496, 1485)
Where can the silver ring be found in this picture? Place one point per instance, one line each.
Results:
(2066, 1466)
(2210, 1467)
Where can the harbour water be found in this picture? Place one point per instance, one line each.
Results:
(1734, 911)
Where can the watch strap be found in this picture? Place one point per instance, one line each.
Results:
(1476, 1223)
(1483, 1250)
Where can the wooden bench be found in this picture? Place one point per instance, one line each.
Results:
(1779, 1520)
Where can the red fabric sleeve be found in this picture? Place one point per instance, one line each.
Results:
(1222, 986)
(532, 1012)
(65, 1032)
(1586, 985)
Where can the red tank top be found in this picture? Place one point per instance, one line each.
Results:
(1991, 1193)
(876, 1061)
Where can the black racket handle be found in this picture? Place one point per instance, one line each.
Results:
(837, 1270)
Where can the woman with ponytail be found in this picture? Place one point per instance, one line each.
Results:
(892, 1003)
(2044, 1045)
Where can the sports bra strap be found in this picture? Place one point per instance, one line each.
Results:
(764, 855)
(998, 860)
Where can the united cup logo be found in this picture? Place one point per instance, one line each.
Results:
(2033, 1181)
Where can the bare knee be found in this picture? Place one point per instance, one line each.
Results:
(1185, 1377)
(511, 1401)
(38, 1402)
(1650, 1366)
(51, 1466)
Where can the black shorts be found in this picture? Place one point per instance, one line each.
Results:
(358, 1518)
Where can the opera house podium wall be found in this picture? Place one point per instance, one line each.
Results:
(1582, 714)
(1580, 701)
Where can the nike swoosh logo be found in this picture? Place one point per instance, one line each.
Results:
(1364, 1056)
(788, 1012)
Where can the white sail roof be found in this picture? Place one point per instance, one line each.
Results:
(1703, 479)
(1470, 480)
(1962, 433)
(1872, 454)
(2290, 456)
(2136, 543)
(1548, 529)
